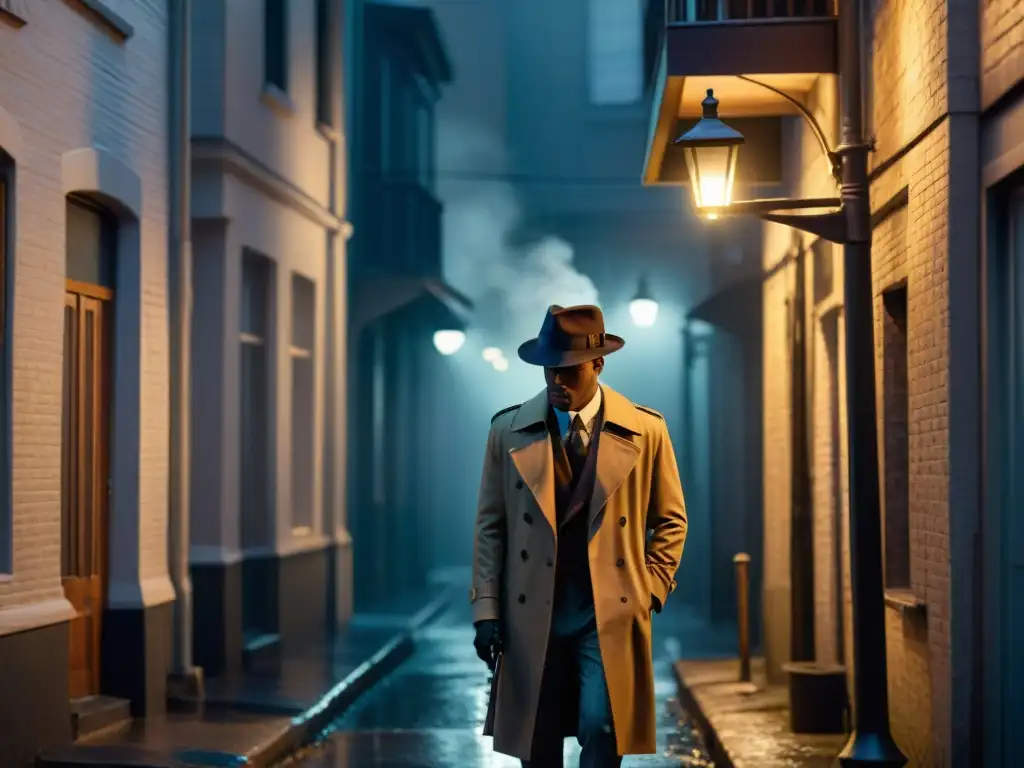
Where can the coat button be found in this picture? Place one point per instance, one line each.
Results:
(620, 562)
(623, 599)
(622, 522)
(525, 555)
(522, 599)
(519, 485)
(528, 518)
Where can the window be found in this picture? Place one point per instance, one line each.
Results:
(303, 405)
(895, 426)
(91, 243)
(324, 68)
(254, 401)
(6, 523)
(275, 43)
(615, 49)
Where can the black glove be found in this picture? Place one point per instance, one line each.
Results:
(487, 641)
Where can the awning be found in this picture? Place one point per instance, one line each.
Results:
(443, 306)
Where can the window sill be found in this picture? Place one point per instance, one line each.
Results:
(277, 100)
(109, 19)
(13, 14)
(906, 602)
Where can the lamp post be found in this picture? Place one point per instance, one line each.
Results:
(848, 224)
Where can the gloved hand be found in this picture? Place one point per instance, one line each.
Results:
(487, 641)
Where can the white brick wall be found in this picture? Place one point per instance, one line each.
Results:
(70, 84)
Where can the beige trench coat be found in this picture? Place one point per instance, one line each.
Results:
(637, 487)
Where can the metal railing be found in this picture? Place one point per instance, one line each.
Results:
(406, 228)
(688, 11)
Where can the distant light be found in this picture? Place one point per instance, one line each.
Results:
(711, 216)
(643, 307)
(644, 312)
(449, 342)
(500, 364)
(491, 354)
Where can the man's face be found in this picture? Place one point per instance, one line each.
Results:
(572, 387)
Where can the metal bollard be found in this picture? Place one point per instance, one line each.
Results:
(742, 562)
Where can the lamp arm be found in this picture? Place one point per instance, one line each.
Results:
(833, 157)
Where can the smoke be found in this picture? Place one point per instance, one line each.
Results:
(512, 285)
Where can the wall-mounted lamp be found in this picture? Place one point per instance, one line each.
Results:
(643, 307)
(449, 342)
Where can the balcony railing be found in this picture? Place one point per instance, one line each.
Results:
(691, 11)
(406, 229)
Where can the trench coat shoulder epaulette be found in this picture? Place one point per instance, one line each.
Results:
(503, 411)
(651, 411)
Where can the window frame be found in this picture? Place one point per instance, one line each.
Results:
(8, 202)
(303, 352)
(276, 71)
(325, 75)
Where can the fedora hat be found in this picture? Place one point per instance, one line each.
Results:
(570, 336)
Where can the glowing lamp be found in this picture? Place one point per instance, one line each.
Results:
(490, 354)
(500, 364)
(449, 342)
(643, 307)
(711, 148)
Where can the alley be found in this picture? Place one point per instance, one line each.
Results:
(428, 713)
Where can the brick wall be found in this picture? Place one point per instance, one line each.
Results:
(1002, 56)
(911, 90)
(69, 85)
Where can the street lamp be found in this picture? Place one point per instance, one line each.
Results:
(711, 149)
(500, 364)
(871, 743)
(448, 342)
(490, 354)
(643, 307)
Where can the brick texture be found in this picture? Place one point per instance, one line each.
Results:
(69, 85)
(1002, 56)
(912, 83)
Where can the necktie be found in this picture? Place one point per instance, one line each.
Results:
(575, 448)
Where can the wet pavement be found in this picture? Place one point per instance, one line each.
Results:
(429, 713)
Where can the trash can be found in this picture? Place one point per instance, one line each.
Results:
(818, 699)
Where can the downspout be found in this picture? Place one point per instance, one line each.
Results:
(179, 257)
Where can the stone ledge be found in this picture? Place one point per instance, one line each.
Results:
(107, 17)
(747, 724)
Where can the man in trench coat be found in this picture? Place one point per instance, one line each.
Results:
(579, 532)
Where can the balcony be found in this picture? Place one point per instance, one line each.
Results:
(784, 44)
(404, 236)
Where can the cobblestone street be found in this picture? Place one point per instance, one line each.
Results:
(428, 713)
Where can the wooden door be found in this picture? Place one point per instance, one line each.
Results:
(85, 476)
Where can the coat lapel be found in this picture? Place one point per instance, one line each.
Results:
(534, 460)
(617, 451)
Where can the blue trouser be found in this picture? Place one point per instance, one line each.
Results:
(595, 732)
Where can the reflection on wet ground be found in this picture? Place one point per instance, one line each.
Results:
(429, 713)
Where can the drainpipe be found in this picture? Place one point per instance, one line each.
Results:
(185, 677)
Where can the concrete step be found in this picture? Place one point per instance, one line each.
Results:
(92, 714)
